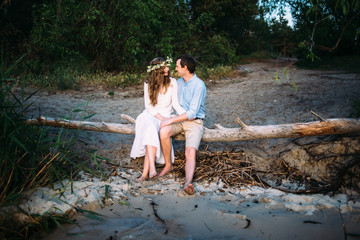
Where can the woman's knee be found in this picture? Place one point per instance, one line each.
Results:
(165, 132)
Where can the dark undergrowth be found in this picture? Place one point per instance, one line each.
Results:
(33, 156)
(350, 63)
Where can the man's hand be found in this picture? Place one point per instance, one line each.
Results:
(166, 122)
(169, 121)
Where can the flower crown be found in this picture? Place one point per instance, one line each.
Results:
(167, 62)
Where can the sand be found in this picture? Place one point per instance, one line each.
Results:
(159, 209)
(204, 218)
(213, 212)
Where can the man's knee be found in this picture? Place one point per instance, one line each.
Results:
(165, 132)
(190, 153)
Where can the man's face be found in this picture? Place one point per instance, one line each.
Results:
(180, 70)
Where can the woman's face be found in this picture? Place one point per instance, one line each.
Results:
(166, 70)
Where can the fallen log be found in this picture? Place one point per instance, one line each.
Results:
(222, 134)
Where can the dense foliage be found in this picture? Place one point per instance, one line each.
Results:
(77, 35)
(124, 35)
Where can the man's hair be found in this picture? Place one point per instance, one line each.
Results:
(189, 61)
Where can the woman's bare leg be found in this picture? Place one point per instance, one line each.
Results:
(149, 170)
(165, 140)
(151, 153)
(146, 169)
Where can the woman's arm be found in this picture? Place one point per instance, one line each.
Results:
(160, 117)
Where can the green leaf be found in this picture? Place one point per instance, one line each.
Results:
(107, 191)
(20, 144)
(89, 116)
(75, 234)
(90, 214)
(45, 223)
(52, 217)
(276, 77)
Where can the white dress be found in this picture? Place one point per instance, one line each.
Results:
(147, 126)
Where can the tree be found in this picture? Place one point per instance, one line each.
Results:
(222, 26)
(112, 35)
(325, 26)
(15, 26)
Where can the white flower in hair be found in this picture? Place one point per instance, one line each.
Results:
(167, 62)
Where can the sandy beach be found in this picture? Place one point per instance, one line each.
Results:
(159, 209)
(205, 218)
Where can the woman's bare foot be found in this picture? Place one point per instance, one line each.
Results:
(189, 189)
(141, 179)
(165, 170)
(152, 175)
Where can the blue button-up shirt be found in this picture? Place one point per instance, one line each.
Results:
(192, 96)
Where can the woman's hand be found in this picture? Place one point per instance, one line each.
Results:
(160, 117)
(166, 122)
(169, 121)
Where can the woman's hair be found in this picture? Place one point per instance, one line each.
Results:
(156, 80)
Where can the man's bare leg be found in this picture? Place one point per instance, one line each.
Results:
(165, 140)
(190, 155)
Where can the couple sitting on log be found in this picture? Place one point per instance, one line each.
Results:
(156, 125)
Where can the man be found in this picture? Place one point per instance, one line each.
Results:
(192, 95)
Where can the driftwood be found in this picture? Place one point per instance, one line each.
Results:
(245, 132)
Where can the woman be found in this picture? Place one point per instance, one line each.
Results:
(160, 96)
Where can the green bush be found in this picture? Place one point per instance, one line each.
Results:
(217, 50)
(111, 80)
(216, 73)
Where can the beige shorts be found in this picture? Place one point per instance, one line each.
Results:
(193, 130)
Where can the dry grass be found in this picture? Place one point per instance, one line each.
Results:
(236, 171)
(233, 168)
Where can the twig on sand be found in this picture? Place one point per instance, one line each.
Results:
(157, 216)
(343, 224)
(207, 227)
(248, 223)
(312, 222)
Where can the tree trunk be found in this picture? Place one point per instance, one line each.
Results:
(222, 134)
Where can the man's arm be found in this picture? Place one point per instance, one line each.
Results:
(169, 121)
(198, 98)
